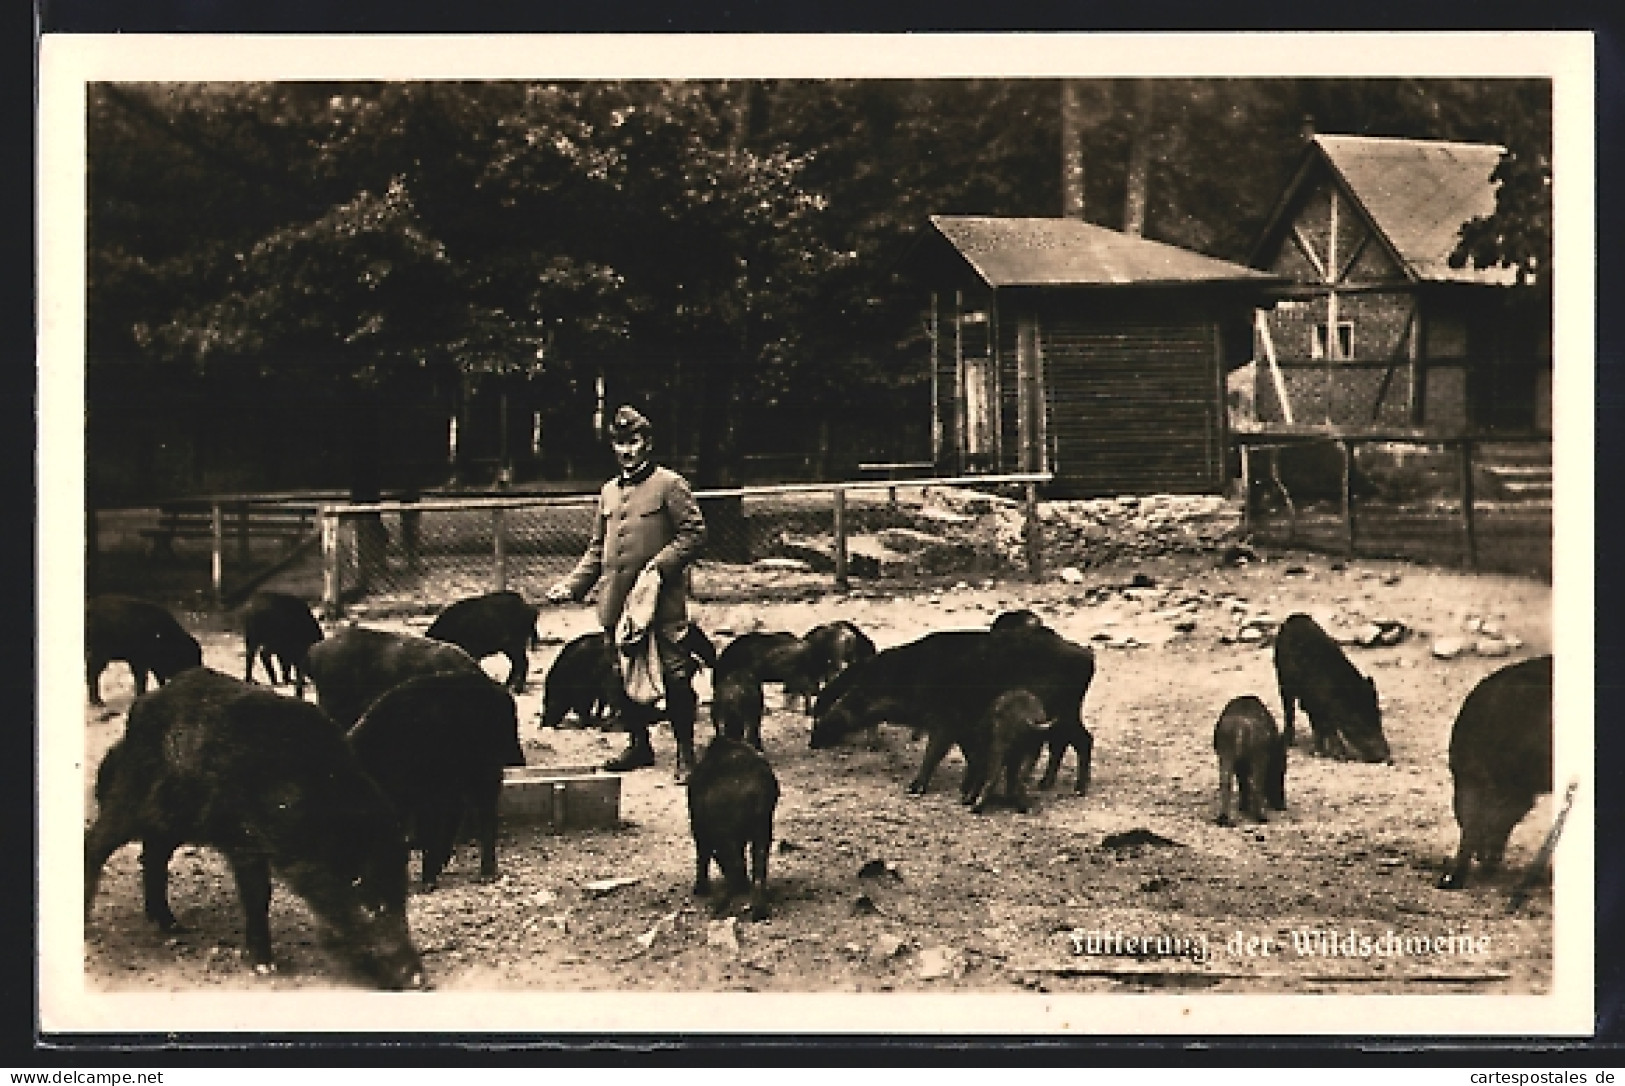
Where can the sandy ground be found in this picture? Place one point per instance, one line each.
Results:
(1001, 901)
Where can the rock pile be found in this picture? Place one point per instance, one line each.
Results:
(956, 530)
(1481, 637)
(1074, 533)
(1101, 530)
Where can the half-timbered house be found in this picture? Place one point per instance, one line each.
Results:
(1379, 330)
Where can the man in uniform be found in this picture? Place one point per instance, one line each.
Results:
(647, 518)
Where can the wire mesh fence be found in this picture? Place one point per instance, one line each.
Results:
(211, 550)
(761, 541)
(1471, 502)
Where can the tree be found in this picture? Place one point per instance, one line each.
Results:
(1072, 165)
(1139, 157)
(732, 254)
(1518, 234)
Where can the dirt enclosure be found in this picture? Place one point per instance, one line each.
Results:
(1132, 887)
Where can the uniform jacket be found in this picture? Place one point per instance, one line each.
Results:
(653, 520)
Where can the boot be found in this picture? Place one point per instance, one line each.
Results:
(637, 755)
(685, 760)
(681, 707)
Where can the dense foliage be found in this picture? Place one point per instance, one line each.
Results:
(733, 255)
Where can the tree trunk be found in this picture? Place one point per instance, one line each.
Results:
(504, 428)
(721, 389)
(372, 538)
(726, 530)
(465, 430)
(1139, 157)
(1071, 150)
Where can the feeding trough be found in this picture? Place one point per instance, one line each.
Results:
(558, 799)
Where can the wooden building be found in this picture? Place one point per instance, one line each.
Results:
(1378, 331)
(1062, 346)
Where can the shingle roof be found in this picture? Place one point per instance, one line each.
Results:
(1070, 252)
(1419, 193)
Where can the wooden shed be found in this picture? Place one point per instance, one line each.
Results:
(1062, 346)
(1378, 329)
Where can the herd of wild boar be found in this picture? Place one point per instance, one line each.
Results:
(407, 744)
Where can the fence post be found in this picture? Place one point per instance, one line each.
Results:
(93, 551)
(242, 534)
(330, 564)
(841, 582)
(217, 534)
(1347, 449)
(410, 521)
(1034, 533)
(1469, 537)
(1246, 490)
(499, 552)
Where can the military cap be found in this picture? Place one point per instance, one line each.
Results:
(628, 422)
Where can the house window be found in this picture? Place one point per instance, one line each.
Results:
(1345, 341)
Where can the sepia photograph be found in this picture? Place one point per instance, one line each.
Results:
(1065, 533)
